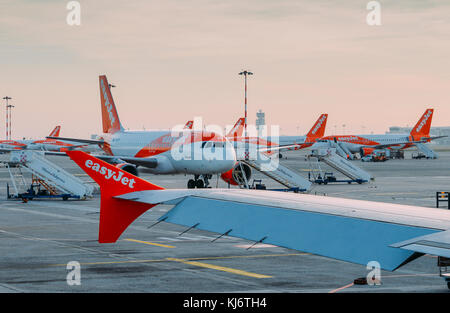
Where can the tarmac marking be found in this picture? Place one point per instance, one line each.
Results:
(395, 193)
(186, 259)
(150, 243)
(341, 288)
(220, 268)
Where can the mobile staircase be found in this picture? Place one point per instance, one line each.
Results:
(48, 179)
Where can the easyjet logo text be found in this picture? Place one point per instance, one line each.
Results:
(319, 124)
(424, 121)
(108, 105)
(110, 174)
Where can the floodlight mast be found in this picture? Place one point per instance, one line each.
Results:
(8, 117)
(245, 73)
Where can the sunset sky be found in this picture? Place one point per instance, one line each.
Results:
(173, 60)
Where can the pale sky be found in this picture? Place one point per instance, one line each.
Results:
(173, 60)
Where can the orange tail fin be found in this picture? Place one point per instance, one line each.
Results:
(55, 132)
(318, 129)
(110, 117)
(115, 214)
(238, 128)
(189, 125)
(422, 127)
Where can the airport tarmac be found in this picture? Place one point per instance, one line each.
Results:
(39, 238)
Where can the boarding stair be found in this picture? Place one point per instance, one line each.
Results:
(49, 175)
(281, 174)
(429, 154)
(342, 150)
(332, 159)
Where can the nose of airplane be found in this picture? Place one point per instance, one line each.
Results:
(230, 156)
(224, 160)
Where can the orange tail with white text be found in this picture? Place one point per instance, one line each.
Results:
(115, 214)
(238, 128)
(110, 117)
(189, 125)
(55, 132)
(318, 129)
(422, 128)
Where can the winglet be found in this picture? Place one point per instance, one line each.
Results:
(318, 129)
(422, 128)
(55, 132)
(115, 214)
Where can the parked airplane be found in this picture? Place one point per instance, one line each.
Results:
(186, 151)
(366, 144)
(267, 145)
(42, 144)
(362, 232)
(189, 125)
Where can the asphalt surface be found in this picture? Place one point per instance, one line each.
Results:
(39, 239)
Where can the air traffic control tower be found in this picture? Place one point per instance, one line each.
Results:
(260, 122)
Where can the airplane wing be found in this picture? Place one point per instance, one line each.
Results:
(436, 244)
(424, 140)
(350, 230)
(436, 137)
(144, 162)
(388, 145)
(280, 148)
(84, 141)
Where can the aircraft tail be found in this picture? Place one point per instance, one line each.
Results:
(318, 129)
(423, 126)
(189, 125)
(238, 128)
(55, 132)
(110, 117)
(115, 214)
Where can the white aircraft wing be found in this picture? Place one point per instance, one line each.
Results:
(436, 244)
(280, 148)
(388, 145)
(350, 230)
(145, 162)
(77, 140)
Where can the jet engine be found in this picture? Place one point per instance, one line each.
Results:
(127, 167)
(366, 151)
(236, 175)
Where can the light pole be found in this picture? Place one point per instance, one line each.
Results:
(245, 73)
(8, 117)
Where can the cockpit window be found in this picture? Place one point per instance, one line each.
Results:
(213, 144)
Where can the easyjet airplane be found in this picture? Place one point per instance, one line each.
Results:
(365, 144)
(41, 144)
(267, 145)
(281, 143)
(186, 151)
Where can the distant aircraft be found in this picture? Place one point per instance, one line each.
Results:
(41, 144)
(366, 144)
(189, 125)
(267, 145)
(208, 152)
(361, 232)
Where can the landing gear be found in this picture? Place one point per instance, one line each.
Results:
(200, 184)
(191, 184)
(199, 181)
